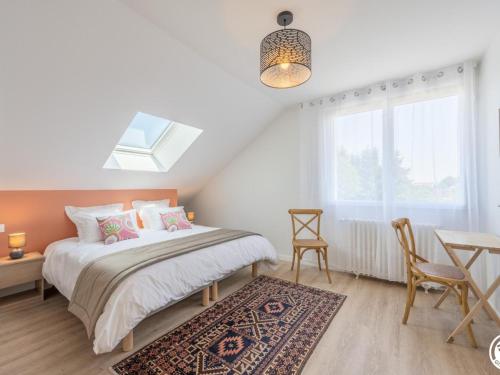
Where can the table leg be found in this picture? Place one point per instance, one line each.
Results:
(40, 287)
(485, 304)
(474, 309)
(443, 297)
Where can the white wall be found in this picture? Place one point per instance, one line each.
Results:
(74, 73)
(255, 191)
(489, 123)
(489, 156)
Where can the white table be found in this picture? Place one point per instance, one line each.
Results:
(476, 243)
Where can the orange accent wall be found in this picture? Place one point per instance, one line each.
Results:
(40, 213)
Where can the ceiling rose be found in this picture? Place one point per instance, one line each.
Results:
(285, 56)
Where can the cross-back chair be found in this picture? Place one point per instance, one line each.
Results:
(308, 220)
(420, 270)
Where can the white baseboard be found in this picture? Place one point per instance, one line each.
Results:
(309, 261)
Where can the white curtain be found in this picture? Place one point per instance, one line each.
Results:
(399, 148)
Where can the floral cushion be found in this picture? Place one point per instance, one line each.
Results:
(118, 228)
(175, 220)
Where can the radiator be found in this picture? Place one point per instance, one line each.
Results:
(371, 248)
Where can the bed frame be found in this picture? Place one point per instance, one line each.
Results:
(209, 292)
(40, 213)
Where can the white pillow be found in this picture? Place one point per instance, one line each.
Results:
(85, 220)
(154, 218)
(140, 206)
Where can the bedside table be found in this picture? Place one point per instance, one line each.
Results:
(21, 271)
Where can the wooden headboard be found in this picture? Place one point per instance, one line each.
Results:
(40, 213)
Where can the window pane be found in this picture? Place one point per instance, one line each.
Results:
(144, 131)
(426, 151)
(358, 155)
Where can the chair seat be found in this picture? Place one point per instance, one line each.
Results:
(441, 270)
(310, 243)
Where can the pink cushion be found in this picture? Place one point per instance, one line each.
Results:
(175, 221)
(117, 228)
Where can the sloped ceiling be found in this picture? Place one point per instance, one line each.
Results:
(74, 73)
(355, 42)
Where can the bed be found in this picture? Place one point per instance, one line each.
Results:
(155, 287)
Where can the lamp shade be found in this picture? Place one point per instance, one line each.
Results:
(17, 240)
(285, 58)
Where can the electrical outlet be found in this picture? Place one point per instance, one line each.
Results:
(2, 228)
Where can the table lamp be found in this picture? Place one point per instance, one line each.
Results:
(16, 242)
(191, 216)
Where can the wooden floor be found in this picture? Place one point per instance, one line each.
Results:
(365, 337)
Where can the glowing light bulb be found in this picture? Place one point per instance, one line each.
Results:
(284, 66)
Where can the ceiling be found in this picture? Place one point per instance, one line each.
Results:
(355, 42)
(75, 75)
(77, 72)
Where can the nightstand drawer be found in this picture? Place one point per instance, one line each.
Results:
(11, 275)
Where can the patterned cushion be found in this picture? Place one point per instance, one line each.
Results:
(175, 221)
(441, 270)
(118, 227)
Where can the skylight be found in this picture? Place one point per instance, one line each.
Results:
(144, 131)
(151, 144)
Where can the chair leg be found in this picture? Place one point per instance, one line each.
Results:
(408, 300)
(319, 261)
(325, 257)
(465, 309)
(293, 259)
(299, 257)
(413, 293)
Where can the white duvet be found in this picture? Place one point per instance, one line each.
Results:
(153, 287)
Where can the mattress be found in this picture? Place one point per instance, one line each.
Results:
(153, 287)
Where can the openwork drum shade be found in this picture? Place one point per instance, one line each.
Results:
(285, 58)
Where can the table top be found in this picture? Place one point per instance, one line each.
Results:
(469, 240)
(28, 257)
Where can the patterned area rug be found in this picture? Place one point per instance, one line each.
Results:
(270, 326)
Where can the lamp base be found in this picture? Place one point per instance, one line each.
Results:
(16, 254)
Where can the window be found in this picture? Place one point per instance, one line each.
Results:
(144, 132)
(358, 152)
(151, 144)
(410, 156)
(426, 159)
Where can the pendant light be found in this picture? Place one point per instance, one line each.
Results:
(285, 56)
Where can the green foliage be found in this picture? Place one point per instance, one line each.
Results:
(359, 177)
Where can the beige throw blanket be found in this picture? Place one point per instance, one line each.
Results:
(99, 278)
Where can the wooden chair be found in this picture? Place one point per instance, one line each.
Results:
(419, 270)
(300, 246)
